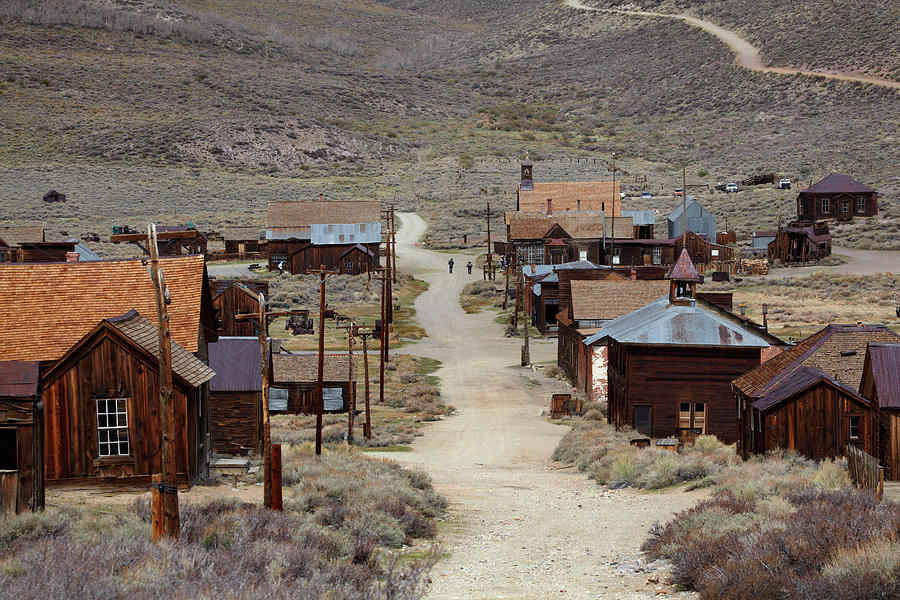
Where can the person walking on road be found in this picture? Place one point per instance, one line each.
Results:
(469, 267)
(450, 264)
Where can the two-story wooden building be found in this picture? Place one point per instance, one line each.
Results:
(838, 197)
(561, 196)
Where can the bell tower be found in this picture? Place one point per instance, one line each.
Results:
(683, 280)
(527, 182)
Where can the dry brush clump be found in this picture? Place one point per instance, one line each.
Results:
(341, 512)
(289, 291)
(478, 295)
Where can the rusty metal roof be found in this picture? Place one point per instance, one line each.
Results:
(802, 379)
(684, 268)
(885, 361)
(237, 362)
(18, 379)
(694, 324)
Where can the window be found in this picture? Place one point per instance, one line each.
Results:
(642, 419)
(826, 205)
(9, 460)
(616, 256)
(112, 427)
(582, 255)
(860, 205)
(277, 258)
(692, 416)
(845, 207)
(531, 254)
(799, 208)
(854, 428)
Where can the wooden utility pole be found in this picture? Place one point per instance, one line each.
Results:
(367, 427)
(267, 431)
(612, 239)
(526, 351)
(489, 257)
(393, 247)
(320, 401)
(385, 278)
(683, 202)
(506, 286)
(351, 402)
(167, 485)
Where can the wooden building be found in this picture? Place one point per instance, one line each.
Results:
(294, 378)
(638, 252)
(559, 237)
(704, 254)
(341, 235)
(881, 385)
(800, 242)
(644, 221)
(699, 220)
(232, 297)
(671, 362)
(13, 236)
(172, 240)
(542, 293)
(21, 438)
(241, 239)
(101, 408)
(559, 196)
(838, 197)
(805, 398)
(235, 396)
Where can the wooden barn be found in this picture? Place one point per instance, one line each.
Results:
(235, 396)
(704, 253)
(838, 197)
(560, 196)
(101, 408)
(241, 239)
(671, 362)
(232, 297)
(12, 237)
(344, 236)
(699, 220)
(881, 385)
(805, 398)
(800, 242)
(21, 438)
(294, 378)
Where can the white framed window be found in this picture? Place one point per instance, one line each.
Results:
(616, 256)
(854, 428)
(826, 205)
(112, 427)
(845, 207)
(531, 254)
(860, 205)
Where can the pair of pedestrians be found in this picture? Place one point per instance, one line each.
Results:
(468, 266)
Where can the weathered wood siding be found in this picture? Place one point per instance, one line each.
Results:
(302, 256)
(233, 246)
(235, 301)
(302, 396)
(235, 422)
(108, 369)
(24, 420)
(888, 442)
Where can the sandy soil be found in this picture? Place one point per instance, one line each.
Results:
(523, 526)
(856, 262)
(747, 53)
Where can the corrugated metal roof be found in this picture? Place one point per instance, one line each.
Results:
(18, 379)
(661, 322)
(641, 217)
(287, 233)
(321, 234)
(800, 380)
(237, 362)
(885, 361)
(699, 220)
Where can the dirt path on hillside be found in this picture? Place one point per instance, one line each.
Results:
(523, 526)
(747, 53)
(856, 262)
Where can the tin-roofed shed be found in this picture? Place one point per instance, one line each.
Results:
(235, 421)
(21, 438)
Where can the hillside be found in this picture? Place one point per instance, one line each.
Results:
(206, 110)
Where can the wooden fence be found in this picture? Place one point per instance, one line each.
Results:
(864, 470)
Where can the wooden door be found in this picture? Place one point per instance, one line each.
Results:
(642, 420)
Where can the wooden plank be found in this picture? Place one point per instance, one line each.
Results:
(9, 486)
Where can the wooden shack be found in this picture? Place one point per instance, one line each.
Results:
(13, 236)
(241, 239)
(705, 254)
(800, 242)
(881, 385)
(344, 236)
(21, 438)
(297, 374)
(233, 297)
(838, 197)
(101, 408)
(671, 362)
(805, 398)
(637, 252)
(235, 396)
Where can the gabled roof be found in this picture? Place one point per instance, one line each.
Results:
(566, 196)
(884, 360)
(304, 368)
(838, 350)
(358, 248)
(237, 362)
(602, 300)
(802, 379)
(699, 323)
(683, 269)
(241, 232)
(836, 183)
(675, 215)
(578, 225)
(300, 215)
(18, 379)
(15, 235)
(254, 287)
(45, 308)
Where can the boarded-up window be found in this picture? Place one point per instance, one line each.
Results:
(112, 427)
(278, 399)
(9, 460)
(333, 398)
(692, 416)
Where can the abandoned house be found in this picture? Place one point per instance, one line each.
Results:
(294, 378)
(838, 197)
(699, 220)
(637, 253)
(21, 438)
(12, 238)
(541, 291)
(671, 362)
(172, 240)
(799, 242)
(705, 255)
(805, 398)
(558, 238)
(235, 396)
(881, 386)
(241, 239)
(234, 297)
(547, 197)
(101, 408)
(344, 236)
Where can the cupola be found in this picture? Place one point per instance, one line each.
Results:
(683, 280)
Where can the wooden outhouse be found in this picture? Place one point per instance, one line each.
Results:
(235, 396)
(101, 408)
(21, 438)
(294, 378)
(881, 385)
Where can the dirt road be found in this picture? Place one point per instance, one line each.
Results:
(747, 53)
(523, 527)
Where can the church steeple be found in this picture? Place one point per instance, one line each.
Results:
(683, 280)
(527, 182)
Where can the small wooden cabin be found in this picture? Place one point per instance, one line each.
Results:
(233, 297)
(800, 242)
(235, 396)
(21, 438)
(241, 239)
(297, 374)
(881, 385)
(837, 197)
(13, 236)
(805, 397)
(101, 415)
